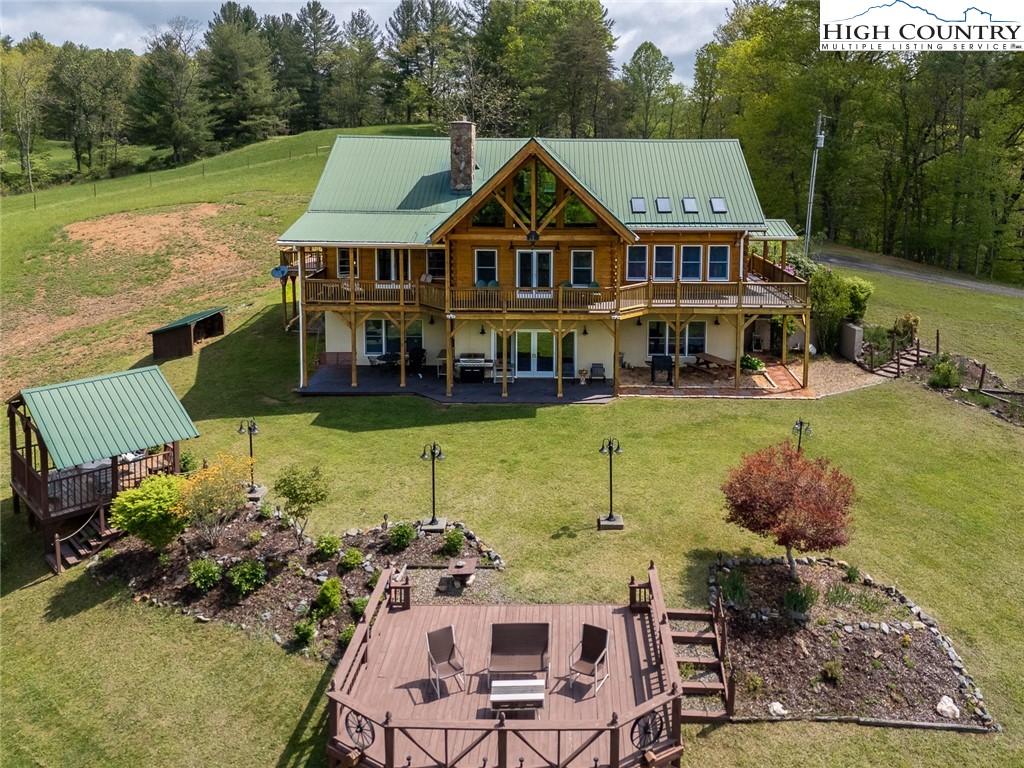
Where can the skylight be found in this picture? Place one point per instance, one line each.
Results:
(638, 205)
(664, 205)
(718, 205)
(690, 205)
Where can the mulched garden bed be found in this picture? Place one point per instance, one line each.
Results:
(294, 576)
(862, 650)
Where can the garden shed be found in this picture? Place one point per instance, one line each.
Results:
(178, 339)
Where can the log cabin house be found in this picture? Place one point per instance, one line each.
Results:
(538, 258)
(77, 444)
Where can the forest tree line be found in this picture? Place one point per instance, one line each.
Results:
(923, 156)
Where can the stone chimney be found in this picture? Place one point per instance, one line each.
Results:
(463, 154)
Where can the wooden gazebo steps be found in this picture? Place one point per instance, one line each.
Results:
(82, 545)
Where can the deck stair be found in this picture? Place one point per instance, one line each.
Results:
(908, 358)
(698, 645)
(82, 545)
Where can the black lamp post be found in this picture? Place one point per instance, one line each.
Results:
(611, 447)
(252, 428)
(800, 429)
(433, 452)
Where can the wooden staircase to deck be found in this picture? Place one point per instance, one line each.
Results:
(700, 650)
(82, 545)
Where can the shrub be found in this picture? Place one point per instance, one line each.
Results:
(372, 581)
(830, 305)
(753, 683)
(359, 606)
(327, 546)
(264, 512)
(734, 588)
(351, 560)
(946, 374)
(328, 601)
(164, 559)
(204, 574)
(302, 489)
(106, 554)
(188, 462)
(453, 541)
(254, 537)
(860, 291)
(905, 329)
(305, 631)
(852, 574)
(345, 636)
(751, 363)
(212, 496)
(400, 536)
(150, 512)
(832, 672)
(838, 595)
(800, 599)
(908, 662)
(247, 576)
(905, 641)
(871, 602)
(881, 339)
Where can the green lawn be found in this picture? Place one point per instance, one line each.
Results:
(91, 678)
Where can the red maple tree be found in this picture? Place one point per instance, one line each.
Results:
(803, 504)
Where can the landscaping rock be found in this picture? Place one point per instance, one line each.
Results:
(885, 628)
(947, 708)
(775, 709)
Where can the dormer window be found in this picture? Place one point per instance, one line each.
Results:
(690, 205)
(718, 205)
(663, 204)
(638, 205)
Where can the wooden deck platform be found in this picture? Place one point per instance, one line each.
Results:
(383, 710)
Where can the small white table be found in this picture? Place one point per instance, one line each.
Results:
(517, 694)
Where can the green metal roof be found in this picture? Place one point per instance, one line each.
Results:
(778, 229)
(189, 320)
(395, 190)
(103, 416)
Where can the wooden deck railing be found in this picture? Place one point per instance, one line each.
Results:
(632, 298)
(354, 725)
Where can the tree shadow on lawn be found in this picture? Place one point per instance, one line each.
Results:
(307, 744)
(694, 579)
(22, 563)
(79, 593)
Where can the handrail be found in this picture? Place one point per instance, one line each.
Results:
(356, 652)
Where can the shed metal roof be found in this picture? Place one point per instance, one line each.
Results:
(395, 190)
(103, 416)
(188, 320)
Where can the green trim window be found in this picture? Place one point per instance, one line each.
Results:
(636, 263)
(382, 337)
(486, 267)
(662, 341)
(664, 262)
(690, 257)
(718, 262)
(582, 268)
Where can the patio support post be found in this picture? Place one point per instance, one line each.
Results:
(44, 474)
(739, 345)
(807, 347)
(504, 356)
(675, 377)
(176, 457)
(785, 336)
(783, 255)
(449, 344)
(558, 355)
(353, 344)
(401, 347)
(115, 480)
(615, 355)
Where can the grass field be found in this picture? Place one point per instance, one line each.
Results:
(88, 677)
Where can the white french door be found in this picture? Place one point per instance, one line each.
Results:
(535, 354)
(534, 274)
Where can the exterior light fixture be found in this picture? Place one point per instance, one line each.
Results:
(252, 428)
(612, 448)
(434, 453)
(800, 429)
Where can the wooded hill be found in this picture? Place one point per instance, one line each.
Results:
(923, 157)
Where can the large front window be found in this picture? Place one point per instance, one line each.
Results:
(486, 268)
(661, 340)
(533, 269)
(718, 262)
(582, 268)
(388, 263)
(383, 337)
(636, 262)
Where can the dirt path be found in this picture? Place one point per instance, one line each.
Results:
(844, 260)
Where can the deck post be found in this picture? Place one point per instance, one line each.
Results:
(807, 348)
(502, 742)
(675, 371)
(613, 742)
(353, 345)
(176, 457)
(504, 355)
(401, 340)
(615, 356)
(739, 345)
(558, 362)
(785, 337)
(58, 563)
(389, 742)
(449, 362)
(677, 724)
(115, 478)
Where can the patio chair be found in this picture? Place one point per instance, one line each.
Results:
(417, 359)
(593, 655)
(444, 659)
(597, 372)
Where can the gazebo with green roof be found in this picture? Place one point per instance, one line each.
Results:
(77, 444)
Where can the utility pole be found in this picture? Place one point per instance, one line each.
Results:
(819, 142)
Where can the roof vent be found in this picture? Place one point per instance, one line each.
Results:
(663, 204)
(718, 205)
(690, 205)
(638, 205)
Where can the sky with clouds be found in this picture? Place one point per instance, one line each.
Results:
(677, 27)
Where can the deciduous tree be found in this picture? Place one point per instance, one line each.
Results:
(802, 504)
(647, 76)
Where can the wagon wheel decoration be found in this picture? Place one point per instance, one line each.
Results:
(646, 730)
(359, 729)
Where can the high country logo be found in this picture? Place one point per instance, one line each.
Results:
(945, 25)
